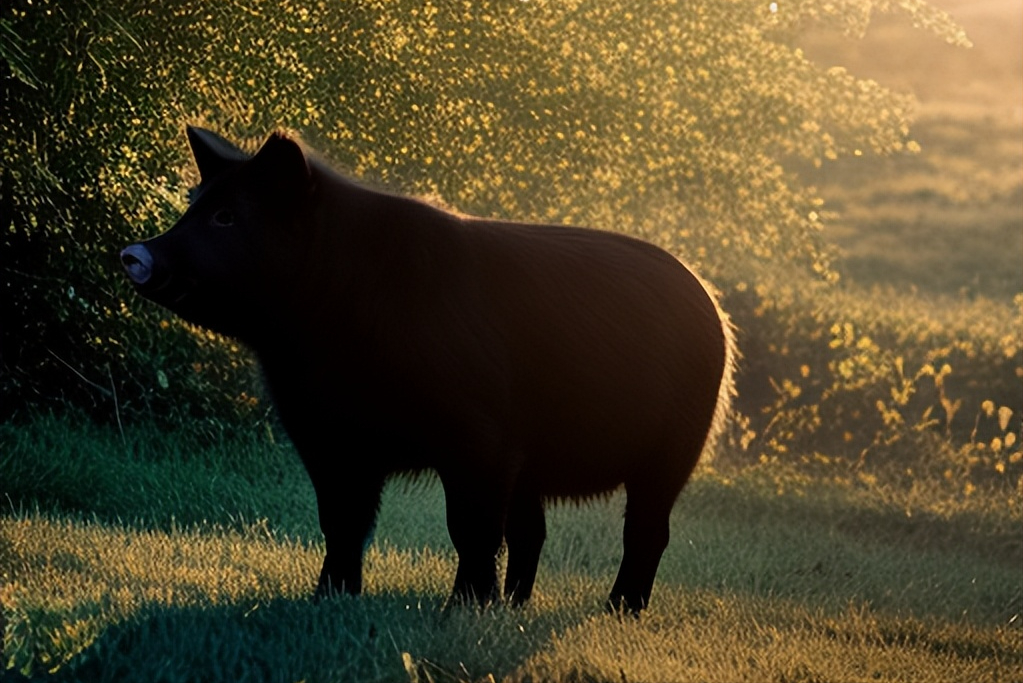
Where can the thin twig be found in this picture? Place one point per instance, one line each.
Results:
(80, 375)
(117, 408)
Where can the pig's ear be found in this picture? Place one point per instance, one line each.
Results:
(283, 164)
(213, 154)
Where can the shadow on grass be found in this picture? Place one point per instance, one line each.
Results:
(369, 638)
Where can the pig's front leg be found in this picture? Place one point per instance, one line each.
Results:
(348, 504)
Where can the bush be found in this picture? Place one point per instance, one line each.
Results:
(880, 380)
(669, 121)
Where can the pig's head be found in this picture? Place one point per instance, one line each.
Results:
(226, 263)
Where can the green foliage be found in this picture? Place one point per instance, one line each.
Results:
(664, 119)
(879, 376)
(853, 17)
(88, 169)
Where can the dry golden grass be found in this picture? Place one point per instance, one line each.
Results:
(771, 575)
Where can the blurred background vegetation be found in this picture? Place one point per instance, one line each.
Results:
(727, 132)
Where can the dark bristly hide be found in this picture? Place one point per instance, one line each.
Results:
(523, 363)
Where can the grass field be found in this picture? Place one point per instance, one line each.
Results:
(145, 556)
(949, 220)
(772, 575)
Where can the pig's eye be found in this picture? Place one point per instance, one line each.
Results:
(223, 218)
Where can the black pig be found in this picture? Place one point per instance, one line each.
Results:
(523, 363)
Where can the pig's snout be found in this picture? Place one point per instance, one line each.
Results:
(138, 263)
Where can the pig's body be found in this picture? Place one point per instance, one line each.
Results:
(521, 362)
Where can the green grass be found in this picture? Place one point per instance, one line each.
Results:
(773, 573)
(151, 478)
